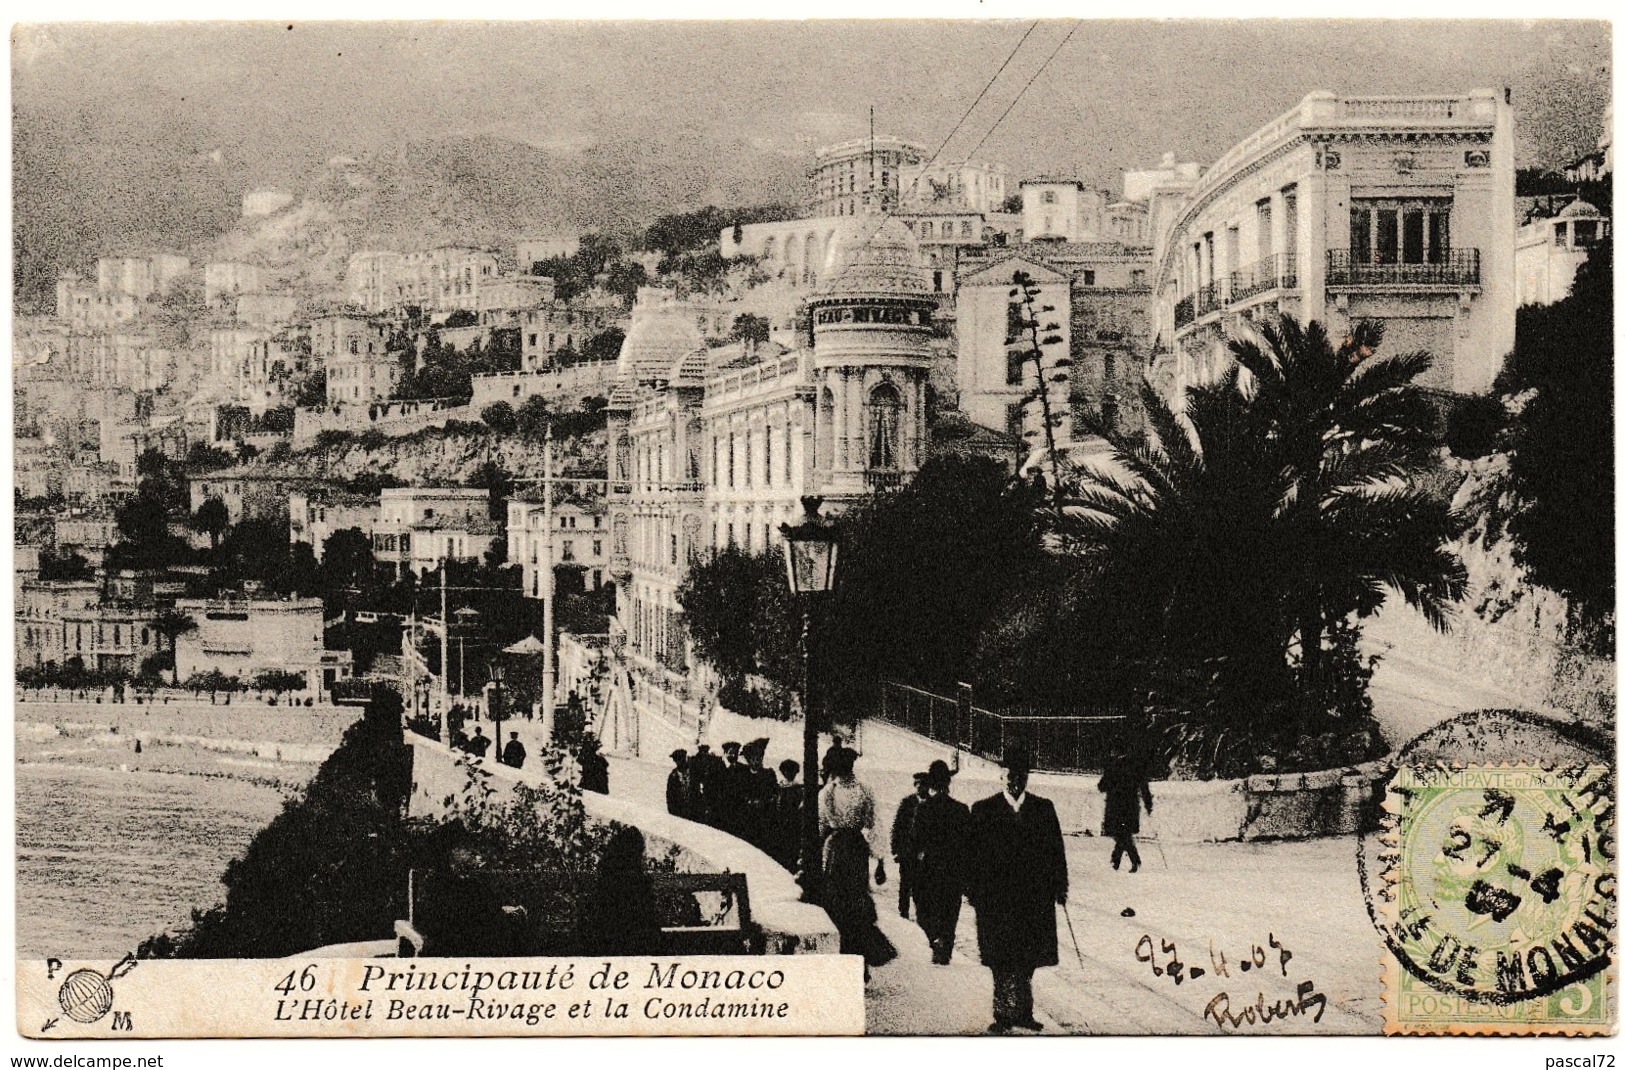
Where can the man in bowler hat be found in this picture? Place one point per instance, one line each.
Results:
(941, 827)
(1019, 877)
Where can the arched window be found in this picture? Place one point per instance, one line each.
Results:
(824, 444)
(623, 454)
(885, 425)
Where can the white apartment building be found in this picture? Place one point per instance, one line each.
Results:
(860, 176)
(1551, 250)
(580, 539)
(715, 447)
(1394, 209)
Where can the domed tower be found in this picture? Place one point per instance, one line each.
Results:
(871, 336)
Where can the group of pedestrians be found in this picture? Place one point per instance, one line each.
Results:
(740, 795)
(479, 745)
(1006, 857)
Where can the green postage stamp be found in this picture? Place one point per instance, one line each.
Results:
(1498, 900)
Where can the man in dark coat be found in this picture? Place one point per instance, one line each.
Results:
(514, 753)
(700, 776)
(761, 793)
(902, 842)
(479, 743)
(677, 785)
(941, 834)
(594, 766)
(1019, 878)
(1125, 784)
(732, 791)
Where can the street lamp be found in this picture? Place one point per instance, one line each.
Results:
(496, 705)
(811, 549)
(465, 616)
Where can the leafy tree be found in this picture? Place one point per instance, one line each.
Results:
(70, 565)
(461, 317)
(605, 346)
(533, 416)
(493, 477)
(144, 537)
(499, 417)
(347, 559)
(278, 681)
(736, 607)
(1562, 463)
(749, 327)
(212, 518)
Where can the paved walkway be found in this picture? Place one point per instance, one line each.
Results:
(1205, 906)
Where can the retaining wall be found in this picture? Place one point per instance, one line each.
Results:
(789, 925)
(1290, 806)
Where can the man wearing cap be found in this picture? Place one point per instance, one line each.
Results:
(941, 829)
(902, 842)
(1018, 878)
(677, 784)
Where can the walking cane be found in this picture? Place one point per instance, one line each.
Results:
(1158, 842)
(1067, 911)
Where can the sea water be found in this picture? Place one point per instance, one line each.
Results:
(109, 855)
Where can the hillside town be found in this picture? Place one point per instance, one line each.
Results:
(533, 503)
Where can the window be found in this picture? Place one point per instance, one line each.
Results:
(730, 466)
(964, 228)
(1137, 277)
(567, 552)
(1266, 231)
(1392, 231)
(1048, 197)
(885, 409)
(355, 347)
(1585, 233)
(598, 548)
(928, 229)
(1088, 278)
(767, 458)
(1014, 366)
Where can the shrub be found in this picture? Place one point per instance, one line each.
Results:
(1473, 424)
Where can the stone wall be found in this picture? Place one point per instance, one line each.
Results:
(789, 925)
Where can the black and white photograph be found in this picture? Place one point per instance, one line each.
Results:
(998, 526)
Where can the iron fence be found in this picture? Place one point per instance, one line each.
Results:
(1058, 742)
(1451, 267)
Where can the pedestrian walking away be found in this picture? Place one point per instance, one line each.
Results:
(1125, 785)
(1019, 877)
(941, 831)
(846, 820)
(479, 743)
(902, 842)
(514, 753)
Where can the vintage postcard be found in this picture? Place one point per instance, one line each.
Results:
(747, 528)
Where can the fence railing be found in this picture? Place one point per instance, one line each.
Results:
(1063, 743)
(1451, 267)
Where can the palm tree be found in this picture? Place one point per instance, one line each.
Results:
(213, 518)
(171, 623)
(1353, 432)
(1280, 499)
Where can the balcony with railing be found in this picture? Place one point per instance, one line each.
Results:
(1451, 267)
(1185, 311)
(1209, 298)
(1278, 272)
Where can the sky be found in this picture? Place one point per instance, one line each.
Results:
(113, 113)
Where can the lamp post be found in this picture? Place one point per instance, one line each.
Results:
(811, 549)
(496, 705)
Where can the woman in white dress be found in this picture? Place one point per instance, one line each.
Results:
(846, 821)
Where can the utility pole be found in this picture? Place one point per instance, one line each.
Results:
(547, 597)
(445, 661)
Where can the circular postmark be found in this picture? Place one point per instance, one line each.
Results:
(1489, 873)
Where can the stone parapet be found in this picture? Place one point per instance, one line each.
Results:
(788, 925)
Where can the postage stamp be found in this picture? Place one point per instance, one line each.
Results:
(1499, 899)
